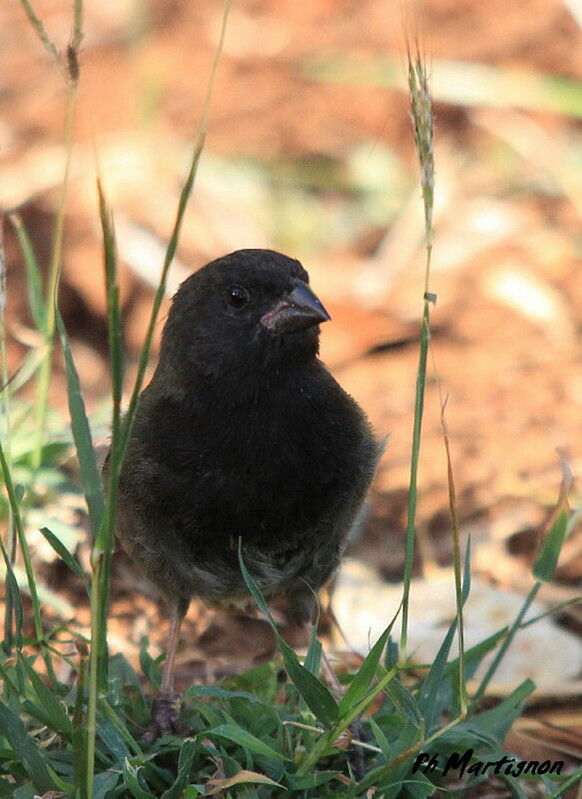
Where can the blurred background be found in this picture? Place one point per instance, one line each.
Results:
(310, 151)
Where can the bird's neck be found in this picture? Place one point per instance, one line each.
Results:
(229, 388)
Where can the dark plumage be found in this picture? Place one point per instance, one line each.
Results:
(243, 432)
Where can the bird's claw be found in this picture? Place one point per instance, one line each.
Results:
(165, 712)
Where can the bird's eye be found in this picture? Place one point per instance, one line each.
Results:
(237, 297)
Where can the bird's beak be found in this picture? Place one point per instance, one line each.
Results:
(297, 310)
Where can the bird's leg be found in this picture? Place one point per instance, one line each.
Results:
(177, 614)
(166, 706)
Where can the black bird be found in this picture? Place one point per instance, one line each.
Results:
(242, 434)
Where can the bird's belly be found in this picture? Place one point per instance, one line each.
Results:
(266, 509)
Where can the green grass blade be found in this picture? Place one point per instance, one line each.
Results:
(79, 727)
(254, 590)
(422, 124)
(41, 32)
(49, 330)
(114, 324)
(244, 777)
(104, 534)
(117, 723)
(325, 743)
(362, 680)
(77, 37)
(66, 788)
(222, 693)
(359, 707)
(35, 711)
(16, 515)
(432, 684)
(133, 782)
(545, 565)
(9, 688)
(405, 703)
(3, 299)
(552, 611)
(467, 573)
(236, 734)
(461, 684)
(58, 719)
(25, 750)
(36, 302)
(150, 668)
(569, 782)
(413, 482)
(113, 742)
(122, 676)
(13, 610)
(380, 738)
(6, 426)
(396, 768)
(105, 784)
(475, 654)
(508, 640)
(315, 694)
(550, 549)
(173, 243)
(26, 370)
(313, 658)
(551, 546)
(62, 551)
(311, 781)
(185, 760)
(90, 477)
(497, 721)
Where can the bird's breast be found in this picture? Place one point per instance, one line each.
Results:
(267, 470)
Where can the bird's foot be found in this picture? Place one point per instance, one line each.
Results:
(165, 712)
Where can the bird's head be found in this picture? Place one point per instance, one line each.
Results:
(252, 309)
